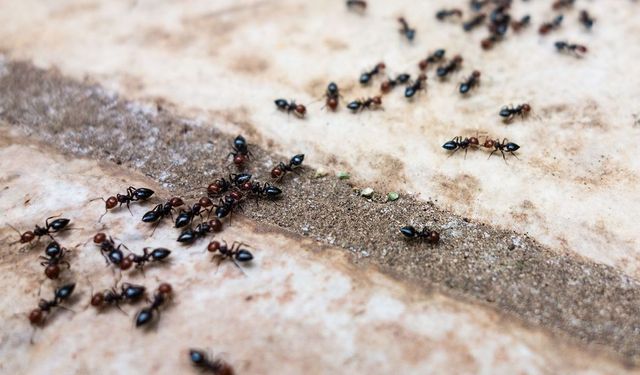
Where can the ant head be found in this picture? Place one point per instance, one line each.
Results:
(486, 43)
(526, 107)
(248, 185)
(52, 271)
(213, 246)
(581, 49)
(489, 143)
(474, 141)
(380, 66)
(126, 263)
(377, 100)
(386, 86)
(97, 299)
(27, 236)
(165, 288)
(300, 109)
(99, 238)
(332, 103)
(215, 225)
(423, 64)
(111, 202)
(215, 187)
(457, 59)
(205, 202)
(176, 202)
(239, 159)
(235, 195)
(36, 316)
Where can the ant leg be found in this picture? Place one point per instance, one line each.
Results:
(46, 222)
(154, 228)
(66, 308)
(514, 154)
(101, 216)
(33, 334)
(122, 311)
(128, 208)
(237, 265)
(491, 154)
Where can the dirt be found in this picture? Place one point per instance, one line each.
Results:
(562, 292)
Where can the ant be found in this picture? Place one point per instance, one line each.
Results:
(559, 4)
(162, 210)
(110, 252)
(357, 5)
(477, 5)
(366, 76)
(519, 25)
(405, 30)
(586, 20)
(504, 146)
(509, 113)
(229, 202)
(240, 151)
(201, 230)
(332, 95)
(461, 143)
(54, 257)
(235, 253)
(281, 169)
(577, 50)
(38, 316)
(431, 236)
(55, 226)
(389, 84)
(417, 85)
(436, 56)
(133, 194)
(474, 22)
(362, 104)
(451, 66)
(546, 27)
(216, 366)
(443, 14)
(155, 255)
(113, 297)
(221, 185)
(472, 81)
(185, 217)
(265, 190)
(161, 295)
(298, 109)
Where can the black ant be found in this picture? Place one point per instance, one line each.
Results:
(201, 230)
(546, 27)
(215, 366)
(459, 143)
(436, 56)
(155, 255)
(474, 22)
(472, 81)
(509, 113)
(54, 226)
(586, 20)
(499, 20)
(559, 4)
(133, 194)
(431, 236)
(417, 85)
(332, 96)
(112, 297)
(389, 84)
(162, 210)
(222, 185)
(279, 171)
(521, 24)
(265, 190)
(575, 49)
(146, 315)
(185, 217)
(366, 76)
(405, 30)
(240, 151)
(451, 66)
(504, 146)
(357, 5)
(447, 13)
(230, 201)
(477, 5)
(362, 104)
(298, 109)
(38, 316)
(54, 257)
(111, 253)
(235, 253)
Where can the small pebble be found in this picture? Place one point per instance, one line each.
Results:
(367, 192)
(320, 173)
(343, 175)
(392, 196)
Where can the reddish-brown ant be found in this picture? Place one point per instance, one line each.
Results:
(366, 76)
(160, 297)
(472, 81)
(357, 5)
(443, 14)
(38, 316)
(405, 30)
(431, 236)
(390, 83)
(586, 20)
(504, 146)
(508, 113)
(523, 23)
(451, 66)
(574, 49)
(240, 151)
(417, 85)
(332, 96)
(112, 297)
(201, 230)
(235, 253)
(203, 362)
(54, 257)
(474, 22)
(54, 226)
(362, 104)
(280, 170)
(298, 109)
(133, 194)
(559, 4)
(546, 27)
(433, 58)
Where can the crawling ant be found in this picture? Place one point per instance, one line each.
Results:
(215, 366)
(133, 194)
(546, 27)
(405, 30)
(54, 257)
(417, 85)
(575, 49)
(227, 203)
(201, 230)
(459, 143)
(235, 253)
(112, 297)
(521, 24)
(559, 4)
(472, 81)
(298, 109)
(586, 20)
(488, 42)
(436, 56)
(474, 22)
(332, 96)
(504, 146)
(509, 113)
(362, 104)
(500, 21)
(451, 66)
(431, 236)
(357, 5)
(146, 315)
(390, 83)
(240, 151)
(162, 210)
(279, 171)
(221, 185)
(111, 252)
(185, 217)
(366, 76)
(54, 226)
(155, 255)
(265, 190)
(443, 14)
(477, 5)
(38, 315)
